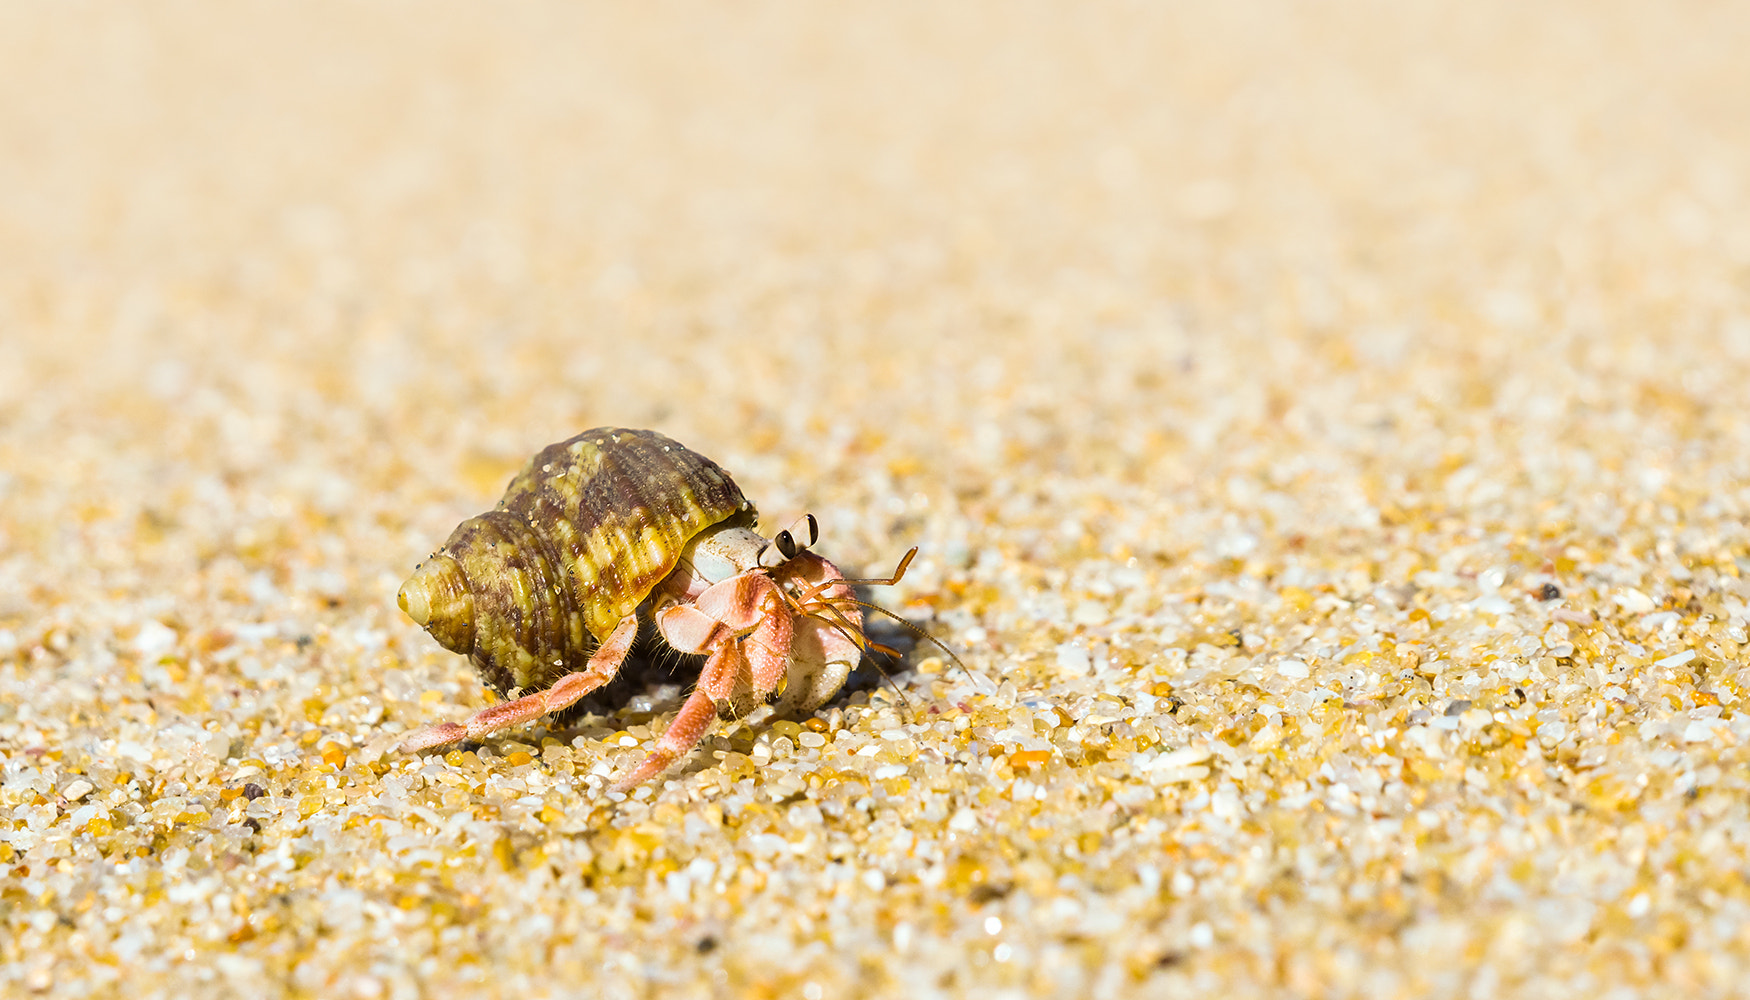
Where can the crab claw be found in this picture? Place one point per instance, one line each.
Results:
(828, 641)
(821, 659)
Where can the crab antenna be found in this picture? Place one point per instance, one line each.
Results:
(814, 603)
(815, 606)
(920, 633)
(898, 572)
(824, 611)
(816, 596)
(811, 605)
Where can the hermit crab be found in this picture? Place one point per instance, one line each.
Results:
(543, 593)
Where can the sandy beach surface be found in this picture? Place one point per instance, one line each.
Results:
(1323, 428)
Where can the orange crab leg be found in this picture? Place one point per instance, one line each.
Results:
(716, 682)
(565, 692)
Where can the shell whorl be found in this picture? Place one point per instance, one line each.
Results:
(617, 507)
(494, 594)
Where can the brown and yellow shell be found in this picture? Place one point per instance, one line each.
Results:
(583, 534)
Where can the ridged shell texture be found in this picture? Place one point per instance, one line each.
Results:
(583, 534)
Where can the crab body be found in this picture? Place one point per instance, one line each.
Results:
(542, 593)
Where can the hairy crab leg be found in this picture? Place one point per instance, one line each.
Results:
(750, 604)
(768, 648)
(600, 669)
(690, 630)
(716, 682)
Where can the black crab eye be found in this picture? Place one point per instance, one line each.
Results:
(813, 531)
(785, 544)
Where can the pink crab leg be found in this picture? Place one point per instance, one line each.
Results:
(600, 669)
(768, 648)
(716, 682)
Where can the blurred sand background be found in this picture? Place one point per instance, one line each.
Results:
(1323, 426)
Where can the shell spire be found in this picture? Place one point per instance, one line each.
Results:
(440, 600)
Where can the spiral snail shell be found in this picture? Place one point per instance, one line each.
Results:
(542, 593)
(587, 528)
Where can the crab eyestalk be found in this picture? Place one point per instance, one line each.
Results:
(439, 599)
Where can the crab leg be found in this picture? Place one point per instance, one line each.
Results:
(716, 682)
(768, 648)
(748, 604)
(600, 669)
(690, 630)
